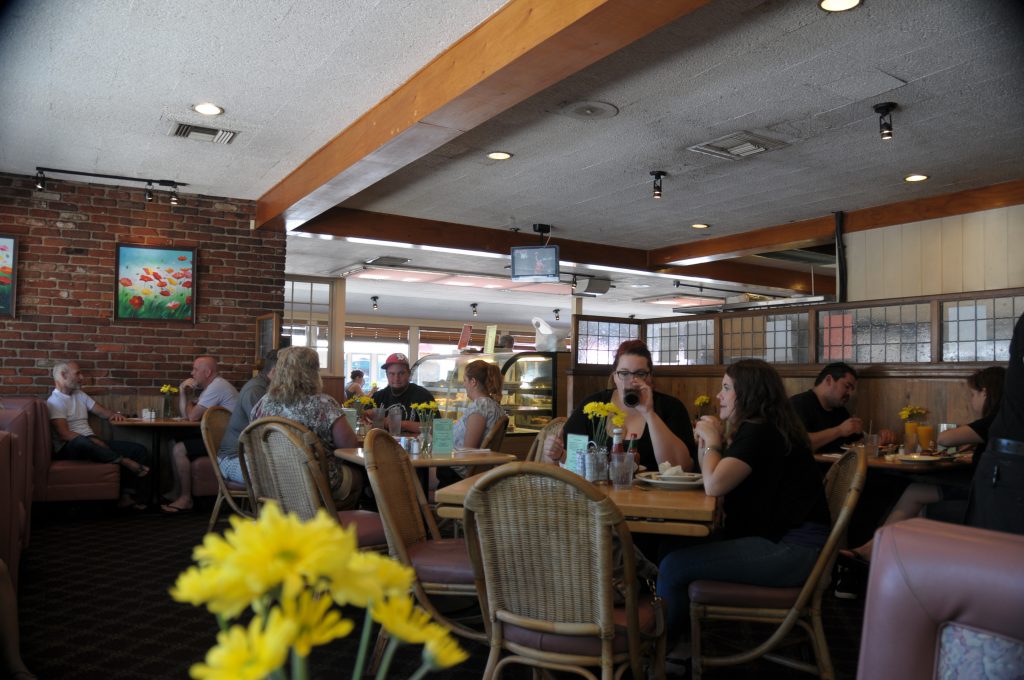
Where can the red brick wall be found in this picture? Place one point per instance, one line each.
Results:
(65, 293)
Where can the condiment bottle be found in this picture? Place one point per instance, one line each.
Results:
(617, 441)
(632, 448)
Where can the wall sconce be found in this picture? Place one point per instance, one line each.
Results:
(169, 183)
(657, 175)
(473, 307)
(374, 301)
(884, 111)
(556, 311)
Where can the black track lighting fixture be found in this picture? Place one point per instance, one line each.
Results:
(473, 307)
(174, 196)
(149, 192)
(40, 180)
(657, 175)
(884, 111)
(374, 301)
(168, 183)
(556, 311)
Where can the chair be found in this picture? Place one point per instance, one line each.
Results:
(543, 541)
(284, 461)
(495, 437)
(943, 601)
(786, 607)
(536, 452)
(441, 565)
(213, 425)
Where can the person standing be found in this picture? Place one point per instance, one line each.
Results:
(401, 392)
(205, 388)
(73, 439)
(252, 392)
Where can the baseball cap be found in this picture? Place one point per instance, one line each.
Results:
(396, 358)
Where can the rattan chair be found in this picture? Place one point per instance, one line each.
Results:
(283, 461)
(213, 425)
(536, 452)
(442, 565)
(542, 541)
(495, 437)
(784, 607)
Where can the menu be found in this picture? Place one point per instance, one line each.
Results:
(575, 446)
(442, 437)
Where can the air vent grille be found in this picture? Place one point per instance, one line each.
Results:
(387, 261)
(742, 144)
(202, 134)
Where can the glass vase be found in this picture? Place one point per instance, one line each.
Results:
(168, 407)
(426, 437)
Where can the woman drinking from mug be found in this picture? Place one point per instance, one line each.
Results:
(658, 422)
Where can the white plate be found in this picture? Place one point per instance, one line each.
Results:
(688, 480)
(917, 458)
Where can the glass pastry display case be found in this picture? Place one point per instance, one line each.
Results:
(534, 385)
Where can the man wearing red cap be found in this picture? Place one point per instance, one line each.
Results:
(401, 392)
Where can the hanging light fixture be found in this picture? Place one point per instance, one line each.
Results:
(374, 301)
(40, 180)
(149, 192)
(657, 175)
(174, 196)
(473, 307)
(556, 311)
(884, 111)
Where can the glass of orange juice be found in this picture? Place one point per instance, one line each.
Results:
(925, 436)
(910, 436)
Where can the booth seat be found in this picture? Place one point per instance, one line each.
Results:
(15, 499)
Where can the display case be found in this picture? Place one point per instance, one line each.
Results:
(534, 385)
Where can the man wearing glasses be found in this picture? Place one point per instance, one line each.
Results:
(401, 392)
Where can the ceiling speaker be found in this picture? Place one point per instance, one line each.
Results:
(586, 286)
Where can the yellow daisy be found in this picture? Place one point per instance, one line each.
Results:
(250, 653)
(315, 624)
(443, 651)
(402, 619)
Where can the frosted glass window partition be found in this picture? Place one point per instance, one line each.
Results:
(682, 343)
(775, 338)
(597, 341)
(980, 329)
(875, 335)
(307, 312)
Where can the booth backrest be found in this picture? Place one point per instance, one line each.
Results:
(943, 600)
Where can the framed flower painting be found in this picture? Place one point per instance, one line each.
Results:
(155, 283)
(8, 275)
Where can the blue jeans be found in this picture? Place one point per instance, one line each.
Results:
(231, 469)
(751, 560)
(94, 448)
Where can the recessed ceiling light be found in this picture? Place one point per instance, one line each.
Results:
(499, 155)
(837, 5)
(915, 178)
(700, 226)
(208, 109)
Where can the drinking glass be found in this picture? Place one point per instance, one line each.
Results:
(925, 435)
(621, 470)
(871, 442)
(942, 428)
(910, 436)
(395, 421)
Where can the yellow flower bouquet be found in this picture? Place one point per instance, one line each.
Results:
(291, 574)
(909, 412)
(360, 403)
(700, 403)
(168, 391)
(597, 413)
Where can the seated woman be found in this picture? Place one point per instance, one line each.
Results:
(296, 393)
(483, 382)
(659, 422)
(776, 515)
(355, 387)
(986, 393)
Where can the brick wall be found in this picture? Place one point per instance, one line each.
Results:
(65, 293)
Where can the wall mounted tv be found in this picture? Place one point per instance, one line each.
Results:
(538, 264)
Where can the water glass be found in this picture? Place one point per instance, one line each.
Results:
(395, 421)
(871, 443)
(943, 427)
(621, 470)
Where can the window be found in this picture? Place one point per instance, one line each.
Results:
(307, 314)
(876, 335)
(979, 330)
(597, 341)
(775, 338)
(682, 343)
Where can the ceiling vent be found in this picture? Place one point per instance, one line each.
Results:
(387, 261)
(738, 145)
(202, 134)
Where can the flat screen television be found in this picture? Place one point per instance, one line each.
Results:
(537, 264)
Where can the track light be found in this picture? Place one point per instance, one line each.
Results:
(473, 306)
(169, 183)
(574, 282)
(40, 181)
(374, 301)
(556, 311)
(149, 192)
(174, 196)
(657, 175)
(884, 111)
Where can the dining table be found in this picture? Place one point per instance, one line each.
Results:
(159, 429)
(648, 510)
(892, 463)
(469, 458)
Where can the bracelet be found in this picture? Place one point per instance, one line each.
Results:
(711, 448)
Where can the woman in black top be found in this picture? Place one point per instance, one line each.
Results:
(776, 516)
(659, 422)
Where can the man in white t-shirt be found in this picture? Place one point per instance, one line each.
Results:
(205, 389)
(73, 439)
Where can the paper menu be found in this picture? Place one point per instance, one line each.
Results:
(575, 446)
(442, 437)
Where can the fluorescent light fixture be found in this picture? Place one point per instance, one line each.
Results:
(462, 284)
(208, 109)
(915, 178)
(640, 285)
(838, 5)
(700, 226)
(499, 155)
(460, 251)
(377, 242)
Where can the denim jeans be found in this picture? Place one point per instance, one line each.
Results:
(231, 469)
(94, 448)
(751, 560)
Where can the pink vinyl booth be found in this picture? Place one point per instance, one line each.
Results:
(943, 600)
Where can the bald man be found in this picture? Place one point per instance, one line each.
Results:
(205, 389)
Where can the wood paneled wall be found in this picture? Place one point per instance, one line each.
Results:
(972, 252)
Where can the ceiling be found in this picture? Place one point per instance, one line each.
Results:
(97, 86)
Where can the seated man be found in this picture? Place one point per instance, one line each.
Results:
(252, 392)
(73, 439)
(204, 389)
(822, 409)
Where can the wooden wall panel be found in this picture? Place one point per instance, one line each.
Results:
(994, 234)
(974, 251)
(911, 273)
(952, 254)
(856, 260)
(931, 251)
(875, 259)
(894, 267)
(1015, 246)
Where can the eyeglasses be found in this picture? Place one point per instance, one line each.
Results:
(639, 375)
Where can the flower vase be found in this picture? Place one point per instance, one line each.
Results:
(426, 436)
(168, 409)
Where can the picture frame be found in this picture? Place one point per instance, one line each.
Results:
(8, 276)
(155, 283)
(268, 334)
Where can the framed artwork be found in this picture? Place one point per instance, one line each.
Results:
(268, 334)
(155, 283)
(8, 275)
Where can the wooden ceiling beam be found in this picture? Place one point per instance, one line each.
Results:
(522, 49)
(755, 275)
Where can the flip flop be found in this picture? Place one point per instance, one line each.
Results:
(142, 471)
(173, 510)
(854, 557)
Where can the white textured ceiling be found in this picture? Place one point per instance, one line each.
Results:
(95, 85)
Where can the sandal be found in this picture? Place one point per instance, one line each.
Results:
(853, 557)
(142, 470)
(173, 509)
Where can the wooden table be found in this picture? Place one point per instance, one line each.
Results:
(648, 510)
(419, 461)
(156, 428)
(960, 462)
